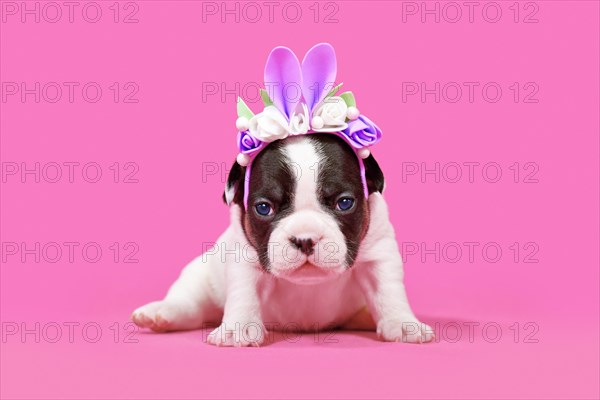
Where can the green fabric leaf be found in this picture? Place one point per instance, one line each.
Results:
(334, 90)
(243, 110)
(265, 98)
(349, 99)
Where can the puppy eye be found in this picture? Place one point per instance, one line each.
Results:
(263, 209)
(344, 203)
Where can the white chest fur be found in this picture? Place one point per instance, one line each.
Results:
(290, 306)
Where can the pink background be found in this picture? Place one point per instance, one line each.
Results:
(170, 53)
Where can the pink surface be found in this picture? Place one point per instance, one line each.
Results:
(186, 67)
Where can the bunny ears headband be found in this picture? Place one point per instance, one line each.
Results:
(302, 99)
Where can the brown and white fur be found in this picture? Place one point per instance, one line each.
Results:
(308, 264)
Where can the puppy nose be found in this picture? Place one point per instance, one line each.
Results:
(305, 245)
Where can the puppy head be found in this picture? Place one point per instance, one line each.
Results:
(307, 213)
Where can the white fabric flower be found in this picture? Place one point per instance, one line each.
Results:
(299, 122)
(269, 125)
(333, 112)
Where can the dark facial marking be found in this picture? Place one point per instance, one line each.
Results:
(271, 181)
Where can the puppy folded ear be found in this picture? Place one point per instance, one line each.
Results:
(234, 188)
(375, 182)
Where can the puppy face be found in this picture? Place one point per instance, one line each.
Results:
(307, 212)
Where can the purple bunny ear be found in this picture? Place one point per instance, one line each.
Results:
(283, 79)
(319, 69)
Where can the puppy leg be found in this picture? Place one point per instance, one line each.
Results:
(196, 298)
(381, 279)
(189, 303)
(242, 324)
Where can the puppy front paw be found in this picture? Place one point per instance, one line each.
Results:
(158, 316)
(407, 330)
(238, 334)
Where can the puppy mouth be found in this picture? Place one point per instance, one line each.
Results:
(308, 273)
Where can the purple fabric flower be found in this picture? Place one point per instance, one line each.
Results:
(362, 132)
(247, 143)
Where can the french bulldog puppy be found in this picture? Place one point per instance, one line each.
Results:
(310, 252)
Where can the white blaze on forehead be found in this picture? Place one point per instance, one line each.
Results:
(309, 219)
(304, 162)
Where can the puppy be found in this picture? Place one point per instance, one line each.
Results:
(308, 251)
